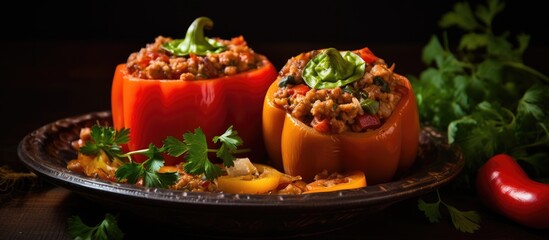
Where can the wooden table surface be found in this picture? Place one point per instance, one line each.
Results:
(73, 78)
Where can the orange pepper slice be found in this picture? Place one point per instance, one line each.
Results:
(268, 180)
(351, 180)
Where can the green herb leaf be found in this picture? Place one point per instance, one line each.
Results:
(462, 16)
(431, 210)
(193, 144)
(197, 160)
(131, 172)
(482, 94)
(369, 105)
(147, 171)
(106, 230)
(488, 130)
(467, 221)
(487, 13)
(174, 146)
(106, 139)
(432, 50)
(229, 143)
(472, 41)
(289, 79)
(535, 102)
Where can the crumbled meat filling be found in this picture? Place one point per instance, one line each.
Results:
(341, 105)
(153, 62)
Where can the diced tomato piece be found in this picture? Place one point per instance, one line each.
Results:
(367, 55)
(300, 89)
(368, 121)
(322, 126)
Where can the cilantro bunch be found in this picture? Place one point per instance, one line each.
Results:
(481, 92)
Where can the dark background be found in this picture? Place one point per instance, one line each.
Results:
(58, 60)
(59, 57)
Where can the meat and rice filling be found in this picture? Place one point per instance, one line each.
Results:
(154, 62)
(358, 106)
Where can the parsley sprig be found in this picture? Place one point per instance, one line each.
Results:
(483, 94)
(147, 171)
(106, 230)
(486, 98)
(465, 221)
(194, 146)
(107, 140)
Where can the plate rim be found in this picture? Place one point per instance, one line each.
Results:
(29, 149)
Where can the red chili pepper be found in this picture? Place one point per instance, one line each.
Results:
(503, 186)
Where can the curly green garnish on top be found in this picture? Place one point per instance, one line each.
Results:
(195, 42)
(331, 69)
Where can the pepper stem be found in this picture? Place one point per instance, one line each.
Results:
(195, 42)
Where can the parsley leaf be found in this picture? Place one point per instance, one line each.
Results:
(465, 221)
(229, 142)
(106, 230)
(148, 171)
(462, 16)
(431, 210)
(197, 160)
(482, 93)
(535, 102)
(174, 147)
(130, 172)
(194, 144)
(106, 139)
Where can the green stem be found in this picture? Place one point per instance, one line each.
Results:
(140, 151)
(195, 42)
(530, 70)
(215, 150)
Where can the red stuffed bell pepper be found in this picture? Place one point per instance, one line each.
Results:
(341, 111)
(174, 86)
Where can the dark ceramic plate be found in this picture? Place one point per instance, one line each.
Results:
(47, 150)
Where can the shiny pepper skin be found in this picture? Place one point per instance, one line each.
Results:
(503, 186)
(298, 149)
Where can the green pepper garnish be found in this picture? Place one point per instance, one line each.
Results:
(194, 41)
(383, 85)
(369, 105)
(332, 68)
(286, 80)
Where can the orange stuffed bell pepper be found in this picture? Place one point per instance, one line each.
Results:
(341, 111)
(176, 85)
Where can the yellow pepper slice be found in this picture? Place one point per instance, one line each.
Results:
(268, 180)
